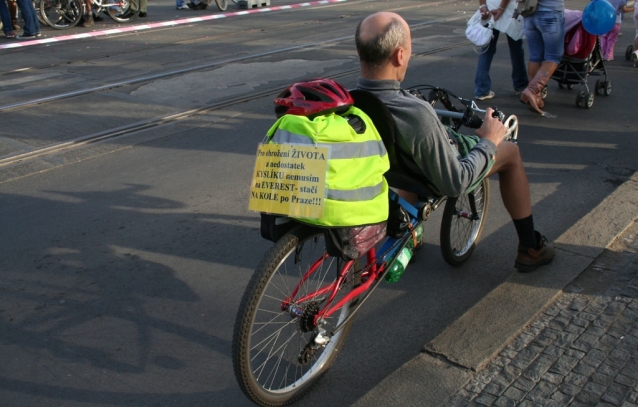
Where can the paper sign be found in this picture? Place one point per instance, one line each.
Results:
(289, 179)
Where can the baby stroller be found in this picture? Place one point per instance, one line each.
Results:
(582, 57)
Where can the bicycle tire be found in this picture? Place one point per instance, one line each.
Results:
(460, 233)
(267, 342)
(36, 7)
(122, 11)
(222, 5)
(61, 14)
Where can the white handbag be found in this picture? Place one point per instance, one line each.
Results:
(478, 31)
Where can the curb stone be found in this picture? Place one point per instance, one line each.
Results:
(581, 350)
(464, 351)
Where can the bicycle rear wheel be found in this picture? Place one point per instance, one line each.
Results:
(275, 357)
(61, 14)
(462, 224)
(122, 11)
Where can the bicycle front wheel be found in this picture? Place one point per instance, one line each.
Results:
(61, 14)
(221, 4)
(462, 224)
(275, 355)
(122, 11)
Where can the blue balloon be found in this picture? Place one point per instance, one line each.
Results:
(599, 17)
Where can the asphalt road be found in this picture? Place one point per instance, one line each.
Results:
(125, 161)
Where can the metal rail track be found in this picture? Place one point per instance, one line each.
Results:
(162, 120)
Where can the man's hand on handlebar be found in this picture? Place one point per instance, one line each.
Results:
(492, 128)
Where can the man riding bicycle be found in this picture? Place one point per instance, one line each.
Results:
(384, 46)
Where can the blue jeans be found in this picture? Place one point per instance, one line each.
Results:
(31, 24)
(7, 25)
(483, 82)
(545, 33)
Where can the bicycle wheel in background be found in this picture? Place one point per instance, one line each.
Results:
(122, 11)
(36, 6)
(462, 224)
(222, 4)
(275, 357)
(61, 14)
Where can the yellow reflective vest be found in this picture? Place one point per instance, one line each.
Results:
(356, 191)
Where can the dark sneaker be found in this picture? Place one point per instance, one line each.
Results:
(529, 259)
(28, 36)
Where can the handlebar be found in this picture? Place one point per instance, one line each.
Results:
(468, 114)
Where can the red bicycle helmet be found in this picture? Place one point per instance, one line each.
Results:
(314, 97)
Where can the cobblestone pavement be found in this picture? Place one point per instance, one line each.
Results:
(580, 351)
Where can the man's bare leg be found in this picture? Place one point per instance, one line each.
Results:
(512, 180)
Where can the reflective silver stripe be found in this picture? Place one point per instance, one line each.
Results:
(286, 137)
(337, 150)
(359, 194)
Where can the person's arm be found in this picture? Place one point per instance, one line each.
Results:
(500, 10)
(433, 153)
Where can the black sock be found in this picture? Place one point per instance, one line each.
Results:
(525, 230)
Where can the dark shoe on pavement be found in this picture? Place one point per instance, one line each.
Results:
(191, 6)
(29, 36)
(142, 14)
(201, 6)
(88, 21)
(529, 259)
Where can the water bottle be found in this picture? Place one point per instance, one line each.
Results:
(403, 258)
(419, 235)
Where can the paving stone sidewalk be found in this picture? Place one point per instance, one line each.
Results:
(582, 350)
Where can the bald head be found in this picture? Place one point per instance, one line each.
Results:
(378, 37)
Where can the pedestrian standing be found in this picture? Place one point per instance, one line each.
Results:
(502, 11)
(545, 34)
(13, 11)
(31, 23)
(5, 17)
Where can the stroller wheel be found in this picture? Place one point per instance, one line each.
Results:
(585, 99)
(629, 52)
(603, 87)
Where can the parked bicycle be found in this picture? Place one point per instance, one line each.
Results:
(64, 14)
(298, 308)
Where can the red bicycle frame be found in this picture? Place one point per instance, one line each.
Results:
(368, 276)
